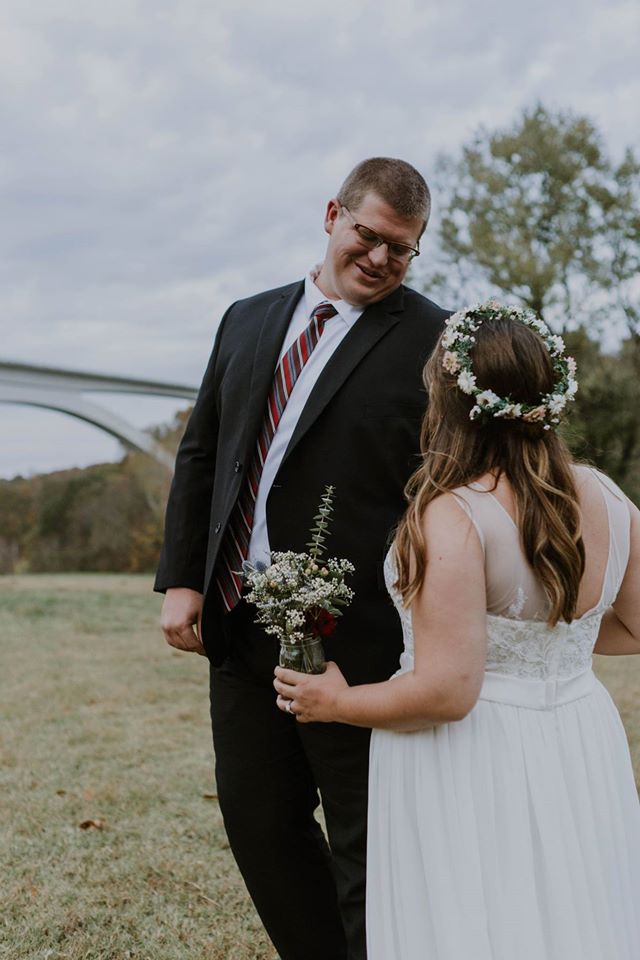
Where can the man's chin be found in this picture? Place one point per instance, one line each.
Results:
(360, 296)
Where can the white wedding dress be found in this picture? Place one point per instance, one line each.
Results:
(513, 834)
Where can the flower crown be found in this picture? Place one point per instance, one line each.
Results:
(457, 343)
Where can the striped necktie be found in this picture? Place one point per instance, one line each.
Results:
(235, 544)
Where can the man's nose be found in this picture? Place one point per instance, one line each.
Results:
(379, 255)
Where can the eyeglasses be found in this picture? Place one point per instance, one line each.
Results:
(397, 251)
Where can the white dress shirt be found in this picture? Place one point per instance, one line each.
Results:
(335, 329)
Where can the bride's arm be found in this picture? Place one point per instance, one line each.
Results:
(450, 641)
(620, 627)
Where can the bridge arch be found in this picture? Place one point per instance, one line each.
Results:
(63, 390)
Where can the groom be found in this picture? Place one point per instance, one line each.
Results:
(336, 360)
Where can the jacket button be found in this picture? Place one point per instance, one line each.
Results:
(237, 466)
(218, 527)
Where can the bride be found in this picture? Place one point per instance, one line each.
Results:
(503, 816)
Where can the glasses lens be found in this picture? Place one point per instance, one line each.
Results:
(367, 236)
(397, 251)
(400, 252)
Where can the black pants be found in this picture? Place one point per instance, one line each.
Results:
(270, 770)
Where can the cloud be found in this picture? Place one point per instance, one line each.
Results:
(165, 159)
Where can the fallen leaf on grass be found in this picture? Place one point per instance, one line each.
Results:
(61, 793)
(95, 824)
(209, 796)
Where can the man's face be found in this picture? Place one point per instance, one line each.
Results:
(353, 272)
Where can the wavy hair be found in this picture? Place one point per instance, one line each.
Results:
(512, 360)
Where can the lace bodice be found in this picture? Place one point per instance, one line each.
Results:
(519, 646)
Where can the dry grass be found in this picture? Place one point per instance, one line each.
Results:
(103, 722)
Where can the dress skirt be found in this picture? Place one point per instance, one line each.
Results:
(513, 834)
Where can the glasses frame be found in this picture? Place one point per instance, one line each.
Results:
(380, 241)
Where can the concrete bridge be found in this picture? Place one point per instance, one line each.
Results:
(64, 390)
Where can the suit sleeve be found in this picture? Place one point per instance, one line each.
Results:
(186, 533)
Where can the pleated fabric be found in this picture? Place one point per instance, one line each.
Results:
(513, 834)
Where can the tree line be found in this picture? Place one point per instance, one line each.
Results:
(106, 517)
(538, 215)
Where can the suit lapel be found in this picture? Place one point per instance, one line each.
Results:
(374, 323)
(272, 332)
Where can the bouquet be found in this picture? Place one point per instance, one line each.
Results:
(299, 596)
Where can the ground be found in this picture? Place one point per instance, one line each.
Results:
(115, 848)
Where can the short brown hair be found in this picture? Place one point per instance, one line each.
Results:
(395, 181)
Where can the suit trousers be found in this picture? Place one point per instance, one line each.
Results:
(271, 772)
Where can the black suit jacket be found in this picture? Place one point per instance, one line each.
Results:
(358, 431)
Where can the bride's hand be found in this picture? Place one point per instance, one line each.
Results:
(310, 696)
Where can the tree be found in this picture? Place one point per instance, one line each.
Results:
(522, 213)
(603, 426)
(539, 214)
(618, 255)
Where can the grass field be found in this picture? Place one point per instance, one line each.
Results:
(105, 725)
(103, 722)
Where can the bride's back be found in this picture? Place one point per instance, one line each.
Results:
(513, 590)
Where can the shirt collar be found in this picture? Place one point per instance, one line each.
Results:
(313, 295)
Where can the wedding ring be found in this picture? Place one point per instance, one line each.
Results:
(288, 707)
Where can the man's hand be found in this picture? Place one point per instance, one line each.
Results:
(181, 618)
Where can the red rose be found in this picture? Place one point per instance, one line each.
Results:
(322, 622)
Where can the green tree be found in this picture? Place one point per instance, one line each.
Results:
(603, 426)
(107, 517)
(539, 214)
(617, 265)
(522, 213)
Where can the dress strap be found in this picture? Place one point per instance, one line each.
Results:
(464, 501)
(619, 534)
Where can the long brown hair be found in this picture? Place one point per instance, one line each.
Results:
(512, 360)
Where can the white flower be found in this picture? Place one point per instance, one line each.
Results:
(487, 398)
(450, 362)
(556, 403)
(510, 411)
(454, 322)
(556, 344)
(467, 381)
(572, 366)
(475, 412)
(450, 337)
(572, 387)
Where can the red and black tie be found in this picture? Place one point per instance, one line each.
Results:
(235, 545)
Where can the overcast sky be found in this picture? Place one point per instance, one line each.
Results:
(161, 159)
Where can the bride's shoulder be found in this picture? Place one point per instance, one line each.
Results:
(590, 478)
(448, 514)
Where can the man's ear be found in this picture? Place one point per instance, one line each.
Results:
(332, 214)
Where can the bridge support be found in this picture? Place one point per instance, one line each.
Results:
(63, 390)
